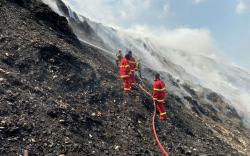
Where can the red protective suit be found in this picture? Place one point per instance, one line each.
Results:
(159, 94)
(133, 67)
(125, 74)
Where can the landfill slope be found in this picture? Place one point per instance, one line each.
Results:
(60, 96)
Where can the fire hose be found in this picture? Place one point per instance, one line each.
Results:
(164, 152)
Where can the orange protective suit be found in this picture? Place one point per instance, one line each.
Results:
(159, 94)
(125, 74)
(133, 67)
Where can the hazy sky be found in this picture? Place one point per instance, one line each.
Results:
(226, 23)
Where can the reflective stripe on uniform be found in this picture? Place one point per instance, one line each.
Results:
(132, 62)
(122, 66)
(163, 113)
(124, 76)
(160, 90)
(127, 88)
(158, 100)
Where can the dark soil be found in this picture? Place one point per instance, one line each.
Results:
(60, 97)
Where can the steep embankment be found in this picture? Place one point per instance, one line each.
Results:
(212, 108)
(58, 96)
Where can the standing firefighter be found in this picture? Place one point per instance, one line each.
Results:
(119, 57)
(159, 94)
(133, 67)
(125, 73)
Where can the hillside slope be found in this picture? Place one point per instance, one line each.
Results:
(61, 96)
(166, 53)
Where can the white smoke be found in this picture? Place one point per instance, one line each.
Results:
(193, 41)
(52, 5)
(194, 50)
(243, 6)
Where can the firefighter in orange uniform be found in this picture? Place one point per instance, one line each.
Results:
(133, 67)
(159, 94)
(125, 73)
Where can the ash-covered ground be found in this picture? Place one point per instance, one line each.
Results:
(59, 96)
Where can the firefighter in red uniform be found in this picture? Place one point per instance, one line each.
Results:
(159, 94)
(133, 67)
(125, 73)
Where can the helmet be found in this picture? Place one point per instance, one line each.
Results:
(157, 76)
(130, 52)
(127, 56)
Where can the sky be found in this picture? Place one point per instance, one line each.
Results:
(223, 25)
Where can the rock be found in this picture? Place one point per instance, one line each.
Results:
(90, 136)
(1, 79)
(117, 147)
(188, 152)
(99, 114)
(67, 140)
(33, 140)
(62, 121)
